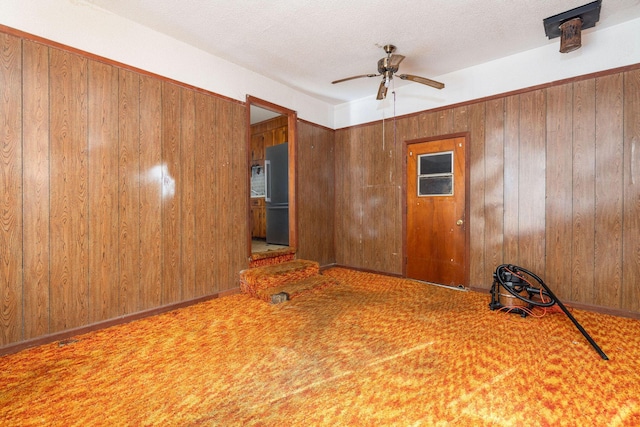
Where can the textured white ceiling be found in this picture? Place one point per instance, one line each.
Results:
(306, 44)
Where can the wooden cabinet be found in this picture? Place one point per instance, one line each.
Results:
(267, 138)
(260, 141)
(257, 147)
(258, 218)
(280, 135)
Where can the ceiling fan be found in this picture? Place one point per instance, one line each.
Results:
(387, 66)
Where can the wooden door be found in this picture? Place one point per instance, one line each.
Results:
(436, 227)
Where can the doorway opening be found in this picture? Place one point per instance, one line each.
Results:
(271, 156)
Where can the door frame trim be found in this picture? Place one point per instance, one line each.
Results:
(292, 119)
(467, 197)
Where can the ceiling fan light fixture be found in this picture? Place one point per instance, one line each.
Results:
(387, 78)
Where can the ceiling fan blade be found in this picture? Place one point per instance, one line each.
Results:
(395, 60)
(354, 77)
(423, 80)
(382, 91)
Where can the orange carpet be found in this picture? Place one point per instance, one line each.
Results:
(369, 351)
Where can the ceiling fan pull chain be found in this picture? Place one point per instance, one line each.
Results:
(383, 129)
(394, 117)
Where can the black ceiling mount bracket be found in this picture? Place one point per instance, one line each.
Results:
(589, 15)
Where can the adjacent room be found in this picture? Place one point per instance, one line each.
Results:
(320, 213)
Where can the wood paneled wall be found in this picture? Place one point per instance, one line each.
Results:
(555, 187)
(119, 191)
(315, 193)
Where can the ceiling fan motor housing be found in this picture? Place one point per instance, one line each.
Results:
(384, 65)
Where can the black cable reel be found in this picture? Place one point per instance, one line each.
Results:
(520, 296)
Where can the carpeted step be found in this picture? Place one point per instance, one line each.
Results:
(277, 256)
(254, 281)
(297, 288)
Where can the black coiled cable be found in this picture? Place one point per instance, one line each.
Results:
(505, 274)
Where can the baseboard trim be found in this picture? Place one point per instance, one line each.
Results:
(365, 270)
(66, 334)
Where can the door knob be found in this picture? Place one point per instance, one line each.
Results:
(459, 222)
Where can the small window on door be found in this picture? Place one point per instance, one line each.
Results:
(435, 174)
